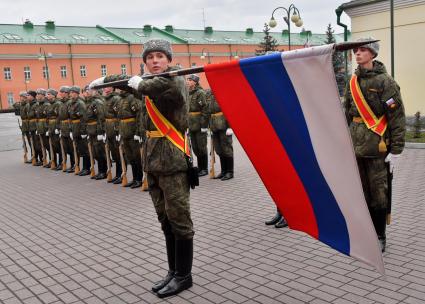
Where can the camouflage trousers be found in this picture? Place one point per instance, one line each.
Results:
(199, 143)
(170, 197)
(69, 149)
(374, 174)
(223, 144)
(36, 142)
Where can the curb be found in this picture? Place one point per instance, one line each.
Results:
(412, 145)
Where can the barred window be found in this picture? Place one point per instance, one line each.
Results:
(7, 73)
(123, 69)
(103, 70)
(46, 73)
(83, 71)
(10, 99)
(27, 73)
(63, 71)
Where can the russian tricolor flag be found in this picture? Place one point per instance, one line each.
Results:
(286, 113)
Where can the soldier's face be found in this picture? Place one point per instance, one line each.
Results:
(50, 96)
(74, 94)
(39, 96)
(157, 62)
(363, 55)
(107, 91)
(190, 83)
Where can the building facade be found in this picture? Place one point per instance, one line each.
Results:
(42, 56)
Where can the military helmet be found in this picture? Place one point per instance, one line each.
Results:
(373, 47)
(75, 89)
(193, 77)
(23, 93)
(32, 93)
(40, 91)
(157, 45)
(64, 89)
(52, 92)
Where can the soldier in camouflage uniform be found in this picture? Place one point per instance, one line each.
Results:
(112, 99)
(78, 115)
(382, 94)
(25, 122)
(95, 131)
(32, 126)
(65, 127)
(17, 106)
(41, 113)
(198, 122)
(167, 166)
(53, 126)
(221, 137)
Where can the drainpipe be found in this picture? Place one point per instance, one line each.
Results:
(190, 56)
(338, 12)
(70, 59)
(129, 53)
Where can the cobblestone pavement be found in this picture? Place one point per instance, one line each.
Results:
(68, 239)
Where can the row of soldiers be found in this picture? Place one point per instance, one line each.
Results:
(105, 126)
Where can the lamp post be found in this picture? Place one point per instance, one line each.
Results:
(295, 18)
(206, 53)
(26, 85)
(43, 57)
(238, 54)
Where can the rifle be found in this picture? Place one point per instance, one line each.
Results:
(33, 161)
(390, 192)
(24, 144)
(338, 47)
(145, 185)
(52, 154)
(43, 150)
(108, 162)
(64, 160)
(76, 157)
(212, 170)
(92, 171)
(123, 165)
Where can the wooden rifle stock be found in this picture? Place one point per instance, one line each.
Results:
(212, 170)
(43, 150)
(52, 154)
(33, 161)
(90, 146)
(123, 166)
(108, 162)
(24, 144)
(63, 154)
(76, 158)
(145, 186)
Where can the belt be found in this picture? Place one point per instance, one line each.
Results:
(33, 119)
(42, 119)
(75, 121)
(153, 134)
(132, 119)
(53, 117)
(217, 114)
(24, 120)
(65, 120)
(111, 119)
(358, 119)
(92, 123)
(194, 113)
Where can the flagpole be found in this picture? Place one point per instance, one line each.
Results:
(338, 47)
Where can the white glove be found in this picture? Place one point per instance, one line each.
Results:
(96, 82)
(137, 138)
(104, 138)
(56, 131)
(134, 82)
(36, 132)
(204, 130)
(47, 133)
(70, 136)
(229, 132)
(100, 137)
(83, 136)
(393, 160)
(118, 137)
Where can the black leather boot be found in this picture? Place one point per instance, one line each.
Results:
(203, 165)
(223, 168)
(229, 169)
(379, 218)
(282, 223)
(275, 219)
(182, 279)
(170, 243)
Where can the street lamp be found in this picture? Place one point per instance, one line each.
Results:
(238, 54)
(26, 85)
(205, 53)
(295, 18)
(43, 57)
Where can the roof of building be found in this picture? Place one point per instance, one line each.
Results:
(51, 33)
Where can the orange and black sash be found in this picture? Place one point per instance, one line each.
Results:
(166, 128)
(377, 125)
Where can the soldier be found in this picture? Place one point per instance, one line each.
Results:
(25, 122)
(78, 115)
(375, 114)
(95, 131)
(65, 127)
(32, 108)
(198, 122)
(221, 135)
(21, 103)
(53, 127)
(112, 99)
(41, 113)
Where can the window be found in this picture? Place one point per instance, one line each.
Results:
(27, 73)
(46, 74)
(48, 37)
(79, 37)
(210, 39)
(10, 100)
(140, 34)
(103, 70)
(123, 69)
(106, 38)
(12, 37)
(7, 73)
(63, 71)
(83, 71)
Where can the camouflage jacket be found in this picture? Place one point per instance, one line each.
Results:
(95, 116)
(160, 155)
(198, 112)
(383, 96)
(127, 111)
(17, 107)
(63, 117)
(111, 115)
(53, 114)
(32, 116)
(41, 113)
(24, 116)
(217, 120)
(77, 111)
